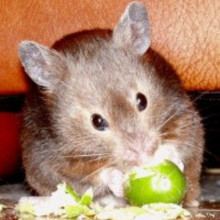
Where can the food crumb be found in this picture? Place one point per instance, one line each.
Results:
(200, 215)
(212, 215)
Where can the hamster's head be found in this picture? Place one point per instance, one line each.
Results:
(109, 102)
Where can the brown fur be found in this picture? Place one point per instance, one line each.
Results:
(94, 72)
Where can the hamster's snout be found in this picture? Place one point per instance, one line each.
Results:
(140, 150)
(145, 150)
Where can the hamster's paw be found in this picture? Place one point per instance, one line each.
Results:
(192, 204)
(178, 162)
(169, 152)
(111, 201)
(113, 179)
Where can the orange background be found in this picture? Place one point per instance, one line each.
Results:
(185, 32)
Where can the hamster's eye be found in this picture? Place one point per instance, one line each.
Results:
(99, 122)
(141, 101)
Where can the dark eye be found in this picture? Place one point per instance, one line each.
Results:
(99, 122)
(141, 101)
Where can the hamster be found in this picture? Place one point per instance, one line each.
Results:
(101, 103)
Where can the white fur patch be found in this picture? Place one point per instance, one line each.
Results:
(113, 179)
(169, 152)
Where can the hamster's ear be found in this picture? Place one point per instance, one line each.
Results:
(132, 31)
(42, 64)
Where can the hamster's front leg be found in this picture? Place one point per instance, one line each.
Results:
(113, 180)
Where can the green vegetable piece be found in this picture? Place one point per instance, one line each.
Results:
(163, 183)
(2, 207)
(73, 211)
(167, 210)
(87, 197)
(26, 208)
(69, 190)
(157, 211)
(128, 213)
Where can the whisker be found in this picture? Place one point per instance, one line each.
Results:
(87, 155)
(197, 97)
(167, 120)
(96, 171)
(183, 143)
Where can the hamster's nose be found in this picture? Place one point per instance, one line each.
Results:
(138, 157)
